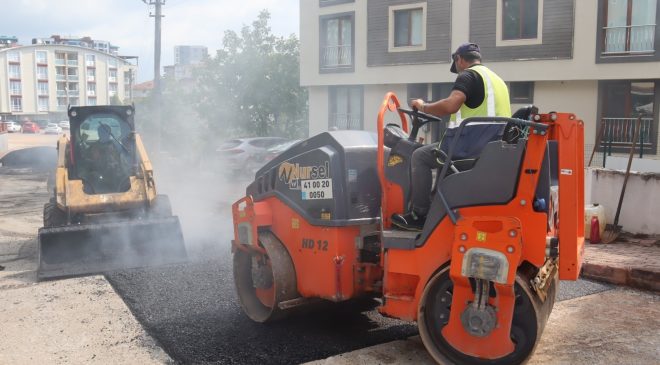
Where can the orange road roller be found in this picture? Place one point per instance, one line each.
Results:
(480, 278)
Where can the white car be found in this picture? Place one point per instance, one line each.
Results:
(64, 125)
(13, 127)
(53, 128)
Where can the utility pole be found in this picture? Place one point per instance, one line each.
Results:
(157, 14)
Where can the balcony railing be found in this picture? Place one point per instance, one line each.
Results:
(61, 93)
(112, 79)
(345, 121)
(630, 39)
(619, 133)
(60, 77)
(72, 62)
(73, 78)
(90, 63)
(337, 56)
(91, 93)
(60, 62)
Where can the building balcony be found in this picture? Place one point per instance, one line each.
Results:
(91, 93)
(73, 78)
(619, 133)
(60, 77)
(91, 78)
(15, 92)
(629, 39)
(42, 93)
(345, 121)
(337, 56)
(112, 79)
(90, 63)
(60, 62)
(61, 93)
(72, 62)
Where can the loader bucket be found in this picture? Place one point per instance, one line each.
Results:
(86, 249)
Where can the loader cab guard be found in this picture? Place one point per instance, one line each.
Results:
(103, 153)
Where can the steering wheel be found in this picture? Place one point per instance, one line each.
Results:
(415, 113)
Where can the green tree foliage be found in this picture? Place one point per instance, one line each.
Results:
(252, 86)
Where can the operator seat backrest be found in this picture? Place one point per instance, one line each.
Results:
(492, 181)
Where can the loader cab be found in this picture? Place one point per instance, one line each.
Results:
(102, 150)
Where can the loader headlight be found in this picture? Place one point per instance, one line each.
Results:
(481, 263)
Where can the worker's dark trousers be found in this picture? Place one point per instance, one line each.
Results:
(423, 160)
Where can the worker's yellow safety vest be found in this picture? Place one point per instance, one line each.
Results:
(496, 99)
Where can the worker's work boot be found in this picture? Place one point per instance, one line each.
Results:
(409, 221)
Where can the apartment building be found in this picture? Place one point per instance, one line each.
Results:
(39, 81)
(599, 59)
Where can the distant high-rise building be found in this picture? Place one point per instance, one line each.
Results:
(190, 55)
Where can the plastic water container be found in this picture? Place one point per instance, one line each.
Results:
(591, 210)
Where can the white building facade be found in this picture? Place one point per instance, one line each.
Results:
(599, 59)
(40, 81)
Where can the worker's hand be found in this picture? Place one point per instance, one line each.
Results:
(417, 104)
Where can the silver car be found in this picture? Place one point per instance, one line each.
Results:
(53, 128)
(12, 127)
(240, 154)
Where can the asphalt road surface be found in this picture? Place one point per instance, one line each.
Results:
(193, 312)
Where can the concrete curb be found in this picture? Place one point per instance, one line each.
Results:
(632, 277)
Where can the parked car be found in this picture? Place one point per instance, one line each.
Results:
(30, 127)
(237, 155)
(12, 127)
(263, 157)
(64, 125)
(53, 128)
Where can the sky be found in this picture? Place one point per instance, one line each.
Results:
(126, 23)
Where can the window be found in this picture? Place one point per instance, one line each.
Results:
(15, 87)
(408, 28)
(519, 22)
(42, 57)
(61, 102)
(337, 42)
(112, 63)
(345, 107)
(622, 102)
(90, 60)
(521, 92)
(16, 104)
(14, 71)
(630, 26)
(13, 57)
(112, 75)
(42, 88)
(112, 89)
(42, 72)
(91, 101)
(73, 86)
(91, 74)
(43, 104)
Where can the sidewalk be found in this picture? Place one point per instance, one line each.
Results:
(630, 261)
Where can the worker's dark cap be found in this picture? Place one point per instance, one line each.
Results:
(463, 49)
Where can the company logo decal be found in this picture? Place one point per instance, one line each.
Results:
(394, 160)
(293, 174)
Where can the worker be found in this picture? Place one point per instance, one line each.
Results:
(477, 91)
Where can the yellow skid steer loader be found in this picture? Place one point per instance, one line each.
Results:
(105, 214)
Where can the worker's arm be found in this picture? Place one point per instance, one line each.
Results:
(449, 105)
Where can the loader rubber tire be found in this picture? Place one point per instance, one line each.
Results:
(529, 319)
(53, 216)
(161, 206)
(262, 305)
